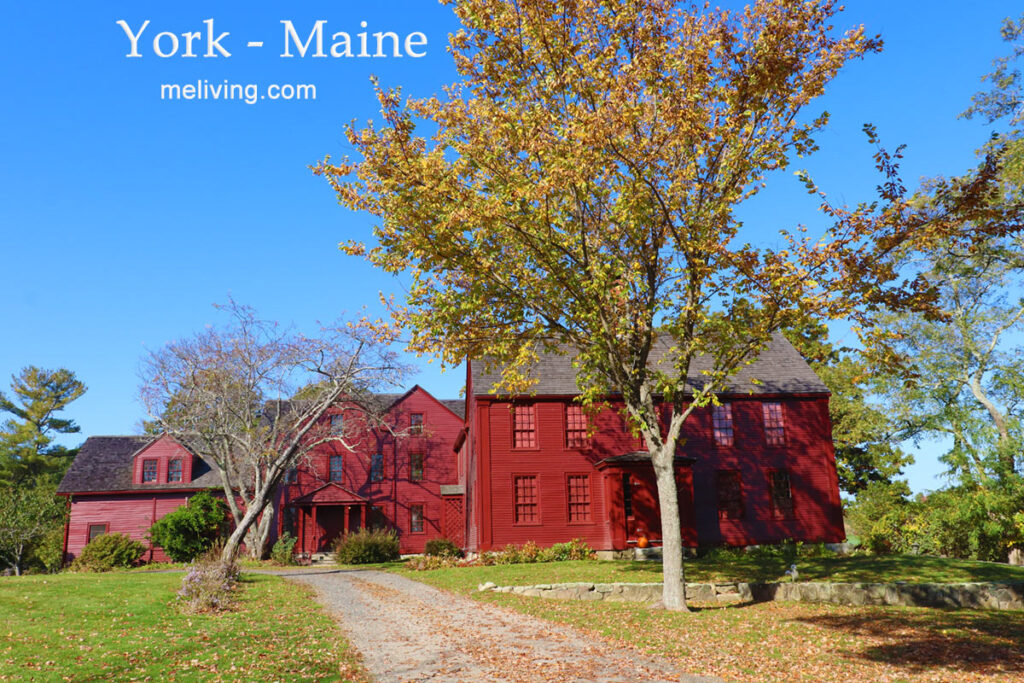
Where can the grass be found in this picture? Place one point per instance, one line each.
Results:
(125, 625)
(782, 641)
(730, 566)
(799, 642)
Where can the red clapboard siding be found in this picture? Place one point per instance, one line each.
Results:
(807, 456)
(125, 513)
(397, 491)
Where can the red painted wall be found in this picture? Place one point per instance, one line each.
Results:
(807, 454)
(397, 492)
(124, 513)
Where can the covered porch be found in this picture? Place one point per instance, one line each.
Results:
(322, 515)
(632, 499)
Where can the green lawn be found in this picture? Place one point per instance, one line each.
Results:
(125, 626)
(777, 641)
(720, 567)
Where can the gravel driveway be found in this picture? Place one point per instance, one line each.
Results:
(408, 631)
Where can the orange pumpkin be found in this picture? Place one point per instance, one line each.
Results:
(642, 542)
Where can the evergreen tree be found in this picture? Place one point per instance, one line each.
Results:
(27, 451)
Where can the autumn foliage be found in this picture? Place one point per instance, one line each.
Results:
(579, 185)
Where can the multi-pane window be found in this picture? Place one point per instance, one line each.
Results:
(627, 495)
(524, 427)
(96, 530)
(781, 493)
(337, 467)
(730, 494)
(416, 466)
(377, 467)
(416, 423)
(579, 497)
(337, 425)
(721, 417)
(416, 519)
(174, 470)
(149, 471)
(526, 505)
(575, 426)
(291, 476)
(774, 425)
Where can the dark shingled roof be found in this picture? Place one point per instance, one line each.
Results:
(104, 463)
(780, 369)
(456, 405)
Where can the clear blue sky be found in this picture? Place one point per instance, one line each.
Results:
(123, 217)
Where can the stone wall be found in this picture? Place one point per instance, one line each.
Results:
(970, 595)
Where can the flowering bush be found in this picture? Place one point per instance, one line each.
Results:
(209, 584)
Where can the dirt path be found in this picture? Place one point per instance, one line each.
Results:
(408, 631)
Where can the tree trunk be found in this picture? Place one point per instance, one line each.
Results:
(241, 531)
(674, 591)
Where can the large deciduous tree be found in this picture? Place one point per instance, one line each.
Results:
(249, 399)
(28, 514)
(866, 437)
(579, 186)
(27, 451)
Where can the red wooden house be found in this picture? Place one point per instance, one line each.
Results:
(759, 468)
(123, 484)
(493, 470)
(395, 476)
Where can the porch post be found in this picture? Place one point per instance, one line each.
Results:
(300, 518)
(362, 516)
(344, 519)
(316, 533)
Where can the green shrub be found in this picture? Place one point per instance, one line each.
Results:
(283, 550)
(442, 547)
(576, 549)
(365, 547)
(192, 529)
(109, 551)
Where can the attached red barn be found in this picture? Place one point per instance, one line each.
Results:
(760, 468)
(123, 484)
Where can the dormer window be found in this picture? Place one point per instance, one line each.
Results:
(174, 470)
(149, 470)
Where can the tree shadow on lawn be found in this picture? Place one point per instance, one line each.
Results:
(974, 641)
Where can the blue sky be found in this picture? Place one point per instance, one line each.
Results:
(123, 217)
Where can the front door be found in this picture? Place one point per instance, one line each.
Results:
(640, 503)
(331, 522)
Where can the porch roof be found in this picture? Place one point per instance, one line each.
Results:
(331, 493)
(638, 457)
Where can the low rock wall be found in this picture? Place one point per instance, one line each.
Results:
(971, 595)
